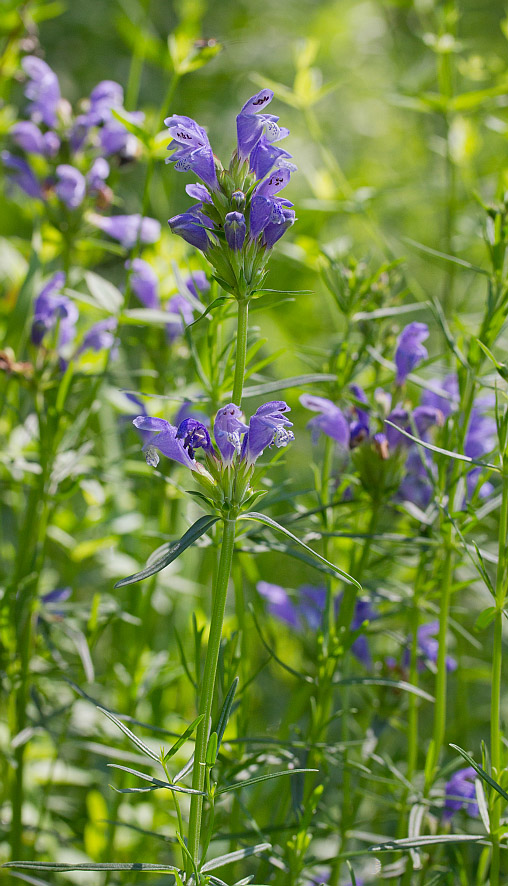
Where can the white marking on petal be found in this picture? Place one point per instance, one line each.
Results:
(272, 131)
(282, 437)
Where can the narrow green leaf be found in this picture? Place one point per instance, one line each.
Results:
(485, 618)
(382, 681)
(196, 531)
(92, 866)
(260, 778)
(148, 317)
(293, 382)
(183, 738)
(458, 456)
(130, 735)
(445, 257)
(156, 782)
(225, 712)
(231, 857)
(262, 518)
(481, 772)
(422, 842)
(106, 295)
(216, 303)
(211, 750)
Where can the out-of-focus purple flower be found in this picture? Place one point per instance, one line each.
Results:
(331, 420)
(267, 427)
(127, 229)
(71, 185)
(410, 350)
(194, 435)
(460, 793)
(106, 95)
(52, 309)
(59, 595)
(228, 428)
(42, 90)
(192, 227)
(181, 315)
(449, 385)
(97, 175)
(428, 645)
(21, 174)
(197, 283)
(251, 124)
(163, 437)
(279, 603)
(29, 138)
(144, 282)
(100, 336)
(115, 138)
(193, 150)
(234, 229)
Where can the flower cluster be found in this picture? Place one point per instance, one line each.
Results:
(240, 214)
(54, 323)
(309, 609)
(460, 793)
(410, 468)
(229, 464)
(145, 286)
(73, 154)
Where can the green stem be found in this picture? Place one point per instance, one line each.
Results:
(208, 685)
(241, 350)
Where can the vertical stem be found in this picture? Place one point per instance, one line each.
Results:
(495, 700)
(208, 685)
(241, 350)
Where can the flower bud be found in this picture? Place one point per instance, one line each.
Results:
(238, 200)
(234, 229)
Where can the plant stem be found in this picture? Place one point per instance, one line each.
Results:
(208, 685)
(495, 699)
(241, 350)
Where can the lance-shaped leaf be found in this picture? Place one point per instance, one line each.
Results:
(155, 782)
(456, 455)
(183, 738)
(262, 518)
(230, 857)
(259, 778)
(174, 550)
(481, 772)
(93, 866)
(422, 842)
(130, 735)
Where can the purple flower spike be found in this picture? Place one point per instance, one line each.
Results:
(267, 427)
(116, 139)
(128, 228)
(30, 139)
(144, 282)
(460, 793)
(163, 438)
(234, 229)
(227, 429)
(191, 226)
(42, 90)
(279, 603)
(410, 350)
(106, 95)
(331, 420)
(52, 309)
(21, 174)
(100, 337)
(71, 185)
(251, 123)
(195, 436)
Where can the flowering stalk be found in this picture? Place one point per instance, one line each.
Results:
(208, 685)
(241, 350)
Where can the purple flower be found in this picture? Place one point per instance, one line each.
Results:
(51, 309)
(195, 436)
(71, 185)
(275, 230)
(428, 645)
(460, 793)
(331, 420)
(192, 150)
(29, 138)
(144, 282)
(115, 138)
(192, 227)
(279, 603)
(266, 155)
(164, 438)
(267, 427)
(106, 95)
(182, 315)
(227, 430)
(127, 229)
(197, 283)
(42, 90)
(97, 175)
(59, 595)
(21, 174)
(446, 404)
(410, 350)
(199, 192)
(266, 208)
(234, 229)
(100, 336)
(251, 124)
